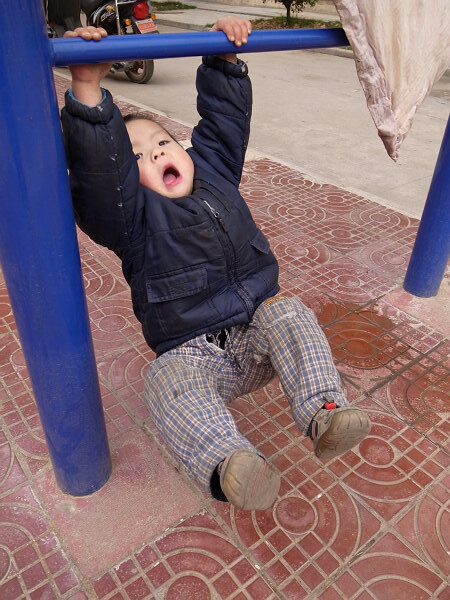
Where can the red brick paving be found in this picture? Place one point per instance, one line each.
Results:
(371, 524)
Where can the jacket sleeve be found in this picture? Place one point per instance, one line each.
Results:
(103, 171)
(224, 103)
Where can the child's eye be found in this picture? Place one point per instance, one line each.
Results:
(138, 155)
(163, 142)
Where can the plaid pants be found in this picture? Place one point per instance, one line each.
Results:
(188, 388)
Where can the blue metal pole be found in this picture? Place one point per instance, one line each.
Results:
(432, 246)
(39, 255)
(169, 45)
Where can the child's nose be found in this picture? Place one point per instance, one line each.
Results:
(157, 153)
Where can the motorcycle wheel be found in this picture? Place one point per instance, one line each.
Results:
(140, 71)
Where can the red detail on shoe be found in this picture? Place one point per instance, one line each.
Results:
(330, 405)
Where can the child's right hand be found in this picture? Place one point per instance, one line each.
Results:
(86, 78)
(87, 33)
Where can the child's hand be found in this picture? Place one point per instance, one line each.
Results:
(87, 33)
(236, 30)
(86, 78)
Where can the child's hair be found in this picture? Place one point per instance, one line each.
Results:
(136, 116)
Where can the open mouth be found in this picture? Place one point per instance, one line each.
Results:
(171, 176)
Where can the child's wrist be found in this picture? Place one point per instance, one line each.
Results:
(232, 58)
(87, 92)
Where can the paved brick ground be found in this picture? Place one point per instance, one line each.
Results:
(372, 524)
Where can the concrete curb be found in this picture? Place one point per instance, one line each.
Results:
(179, 24)
(194, 27)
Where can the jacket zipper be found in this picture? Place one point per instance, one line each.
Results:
(216, 215)
(242, 293)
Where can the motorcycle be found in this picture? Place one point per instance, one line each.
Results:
(118, 17)
(61, 16)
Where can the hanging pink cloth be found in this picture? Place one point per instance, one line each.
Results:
(401, 48)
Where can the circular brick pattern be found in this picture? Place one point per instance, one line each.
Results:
(296, 515)
(188, 587)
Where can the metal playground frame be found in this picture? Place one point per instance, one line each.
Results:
(38, 245)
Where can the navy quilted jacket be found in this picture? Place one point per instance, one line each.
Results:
(194, 264)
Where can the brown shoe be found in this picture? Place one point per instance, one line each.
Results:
(335, 431)
(248, 480)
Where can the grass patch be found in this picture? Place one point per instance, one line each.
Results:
(162, 6)
(296, 23)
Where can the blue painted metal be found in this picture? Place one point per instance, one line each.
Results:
(38, 247)
(169, 45)
(432, 246)
(39, 255)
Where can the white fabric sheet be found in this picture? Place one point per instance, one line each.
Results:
(401, 48)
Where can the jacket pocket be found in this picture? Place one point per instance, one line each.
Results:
(179, 302)
(176, 284)
(260, 242)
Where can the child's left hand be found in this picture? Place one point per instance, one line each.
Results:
(236, 30)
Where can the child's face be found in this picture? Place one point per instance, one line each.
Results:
(164, 166)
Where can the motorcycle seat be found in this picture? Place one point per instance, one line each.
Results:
(88, 6)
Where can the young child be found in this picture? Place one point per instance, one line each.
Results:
(203, 279)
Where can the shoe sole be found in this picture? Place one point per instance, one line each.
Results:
(249, 482)
(347, 429)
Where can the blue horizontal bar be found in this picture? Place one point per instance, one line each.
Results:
(71, 51)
